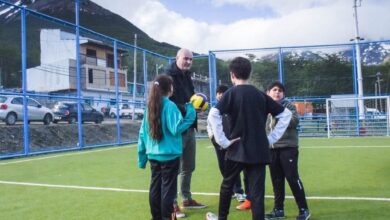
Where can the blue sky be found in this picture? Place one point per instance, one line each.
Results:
(206, 11)
(203, 25)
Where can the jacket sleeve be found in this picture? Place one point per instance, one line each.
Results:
(215, 120)
(176, 124)
(209, 130)
(141, 148)
(280, 127)
(294, 118)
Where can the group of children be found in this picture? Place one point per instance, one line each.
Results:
(237, 128)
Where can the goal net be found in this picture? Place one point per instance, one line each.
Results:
(353, 116)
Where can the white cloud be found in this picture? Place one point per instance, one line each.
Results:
(279, 6)
(299, 23)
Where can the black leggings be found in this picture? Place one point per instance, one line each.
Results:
(255, 174)
(163, 188)
(284, 165)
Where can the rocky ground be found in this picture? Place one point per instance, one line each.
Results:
(64, 135)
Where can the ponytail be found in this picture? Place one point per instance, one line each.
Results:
(160, 87)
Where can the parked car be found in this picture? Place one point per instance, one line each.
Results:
(67, 111)
(374, 113)
(11, 110)
(126, 111)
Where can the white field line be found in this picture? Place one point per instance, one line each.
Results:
(195, 193)
(64, 155)
(210, 146)
(331, 147)
(72, 187)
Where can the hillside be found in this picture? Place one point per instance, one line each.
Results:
(92, 16)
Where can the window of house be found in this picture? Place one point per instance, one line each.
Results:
(90, 75)
(91, 53)
(112, 79)
(121, 79)
(110, 60)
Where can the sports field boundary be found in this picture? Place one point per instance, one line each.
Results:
(195, 193)
(66, 154)
(15, 161)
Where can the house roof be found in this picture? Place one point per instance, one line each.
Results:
(101, 44)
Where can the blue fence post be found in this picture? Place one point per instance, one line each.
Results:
(118, 125)
(280, 65)
(78, 77)
(170, 60)
(145, 77)
(212, 77)
(354, 71)
(26, 135)
(355, 90)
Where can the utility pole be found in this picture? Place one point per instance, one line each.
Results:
(158, 67)
(358, 60)
(135, 75)
(378, 85)
(1, 78)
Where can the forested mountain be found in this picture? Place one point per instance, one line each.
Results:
(92, 16)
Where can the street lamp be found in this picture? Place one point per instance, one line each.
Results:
(158, 67)
(378, 88)
(358, 60)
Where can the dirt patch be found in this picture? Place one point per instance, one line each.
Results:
(64, 136)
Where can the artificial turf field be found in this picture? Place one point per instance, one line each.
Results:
(344, 178)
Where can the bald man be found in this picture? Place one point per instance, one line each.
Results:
(183, 89)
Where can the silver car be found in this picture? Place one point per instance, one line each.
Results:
(11, 110)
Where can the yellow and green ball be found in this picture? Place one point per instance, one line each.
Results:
(199, 101)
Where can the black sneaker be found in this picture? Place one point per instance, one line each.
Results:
(304, 214)
(275, 214)
(192, 204)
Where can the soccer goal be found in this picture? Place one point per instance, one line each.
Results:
(353, 116)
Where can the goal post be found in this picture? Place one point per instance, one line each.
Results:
(346, 119)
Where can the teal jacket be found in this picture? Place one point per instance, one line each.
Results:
(173, 124)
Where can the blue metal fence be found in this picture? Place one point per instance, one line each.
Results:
(98, 68)
(81, 89)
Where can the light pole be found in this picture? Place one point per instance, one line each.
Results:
(135, 75)
(158, 67)
(378, 87)
(358, 60)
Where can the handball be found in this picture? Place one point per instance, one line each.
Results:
(199, 101)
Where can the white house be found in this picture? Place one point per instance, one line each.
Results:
(57, 70)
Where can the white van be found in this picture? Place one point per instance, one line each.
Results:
(375, 113)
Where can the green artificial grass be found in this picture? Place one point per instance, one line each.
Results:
(331, 168)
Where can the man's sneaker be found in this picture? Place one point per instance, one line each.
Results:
(275, 214)
(304, 214)
(178, 212)
(240, 197)
(192, 204)
(245, 205)
(211, 216)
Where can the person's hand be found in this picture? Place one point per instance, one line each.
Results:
(232, 141)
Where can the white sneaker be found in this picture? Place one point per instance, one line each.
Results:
(178, 212)
(211, 216)
(240, 197)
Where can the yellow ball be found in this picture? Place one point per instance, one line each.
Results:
(199, 101)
